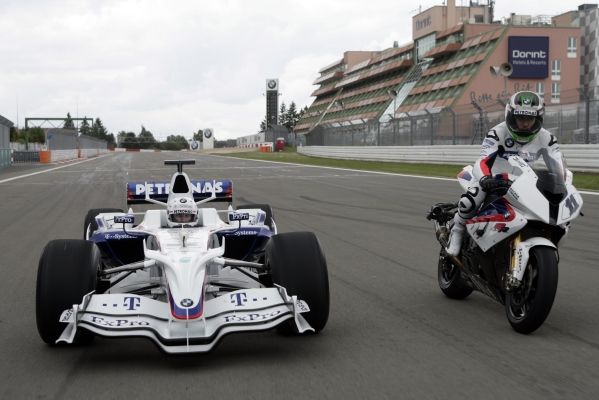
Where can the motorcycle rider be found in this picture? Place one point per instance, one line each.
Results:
(520, 134)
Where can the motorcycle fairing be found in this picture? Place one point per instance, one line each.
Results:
(494, 223)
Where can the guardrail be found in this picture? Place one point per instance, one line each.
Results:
(580, 157)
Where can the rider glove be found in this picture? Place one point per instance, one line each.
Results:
(489, 183)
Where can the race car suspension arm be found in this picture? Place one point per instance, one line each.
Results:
(129, 267)
(240, 266)
(237, 263)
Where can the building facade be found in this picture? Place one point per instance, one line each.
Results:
(452, 81)
(587, 19)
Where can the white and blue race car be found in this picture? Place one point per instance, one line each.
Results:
(184, 276)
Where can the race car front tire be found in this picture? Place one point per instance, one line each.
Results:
(90, 225)
(67, 270)
(297, 263)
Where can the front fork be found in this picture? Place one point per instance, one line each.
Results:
(520, 256)
(511, 280)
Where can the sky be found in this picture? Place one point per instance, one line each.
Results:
(179, 66)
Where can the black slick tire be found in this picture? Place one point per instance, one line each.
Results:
(67, 270)
(297, 263)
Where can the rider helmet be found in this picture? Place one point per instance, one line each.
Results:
(524, 116)
(182, 210)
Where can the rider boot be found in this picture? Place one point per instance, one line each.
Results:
(455, 236)
(467, 206)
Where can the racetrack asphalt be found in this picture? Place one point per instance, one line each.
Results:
(391, 334)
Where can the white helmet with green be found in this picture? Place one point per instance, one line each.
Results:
(524, 105)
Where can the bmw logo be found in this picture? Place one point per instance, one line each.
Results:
(509, 142)
(183, 201)
(186, 302)
(208, 133)
(194, 145)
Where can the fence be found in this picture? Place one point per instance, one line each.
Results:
(23, 156)
(576, 122)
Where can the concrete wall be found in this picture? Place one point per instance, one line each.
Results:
(580, 157)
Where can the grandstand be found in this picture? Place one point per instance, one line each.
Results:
(460, 63)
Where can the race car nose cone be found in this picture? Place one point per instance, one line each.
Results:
(186, 303)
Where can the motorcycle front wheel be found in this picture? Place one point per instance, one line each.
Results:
(528, 306)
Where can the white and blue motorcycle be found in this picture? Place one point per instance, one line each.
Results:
(510, 251)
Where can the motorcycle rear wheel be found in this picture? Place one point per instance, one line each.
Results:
(528, 306)
(451, 282)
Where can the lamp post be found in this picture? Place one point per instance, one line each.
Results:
(392, 93)
(587, 109)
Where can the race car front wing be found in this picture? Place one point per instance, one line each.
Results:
(128, 315)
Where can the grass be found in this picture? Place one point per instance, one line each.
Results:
(582, 180)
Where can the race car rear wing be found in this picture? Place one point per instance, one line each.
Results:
(202, 189)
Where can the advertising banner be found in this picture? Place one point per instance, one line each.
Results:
(529, 56)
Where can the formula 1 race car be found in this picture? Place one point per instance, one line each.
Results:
(184, 276)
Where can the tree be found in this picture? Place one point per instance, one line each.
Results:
(199, 135)
(174, 142)
(128, 140)
(263, 125)
(282, 114)
(85, 128)
(98, 130)
(37, 135)
(110, 141)
(68, 123)
(31, 135)
(146, 139)
(292, 117)
(14, 134)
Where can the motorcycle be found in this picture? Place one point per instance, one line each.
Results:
(510, 249)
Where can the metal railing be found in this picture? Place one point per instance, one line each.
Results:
(20, 157)
(574, 123)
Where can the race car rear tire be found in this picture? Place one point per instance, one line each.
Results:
(270, 216)
(67, 270)
(297, 263)
(89, 224)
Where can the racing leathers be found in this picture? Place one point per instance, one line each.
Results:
(497, 146)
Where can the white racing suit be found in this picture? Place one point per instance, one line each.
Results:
(497, 146)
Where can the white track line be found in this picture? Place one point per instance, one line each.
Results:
(46, 170)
